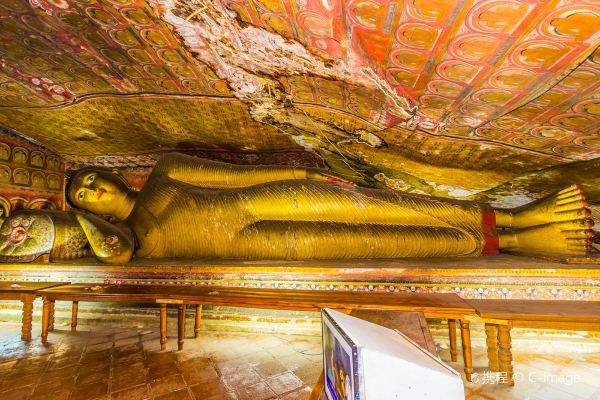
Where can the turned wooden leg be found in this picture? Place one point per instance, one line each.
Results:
(452, 335)
(27, 317)
(465, 335)
(504, 354)
(197, 322)
(51, 317)
(180, 326)
(491, 334)
(318, 388)
(74, 310)
(163, 327)
(45, 319)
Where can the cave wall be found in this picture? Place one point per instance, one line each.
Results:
(30, 175)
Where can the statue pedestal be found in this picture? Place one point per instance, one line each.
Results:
(497, 277)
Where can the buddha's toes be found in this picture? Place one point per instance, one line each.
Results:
(571, 204)
(578, 235)
(565, 237)
(559, 223)
(567, 205)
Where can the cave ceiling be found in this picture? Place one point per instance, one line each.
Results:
(490, 100)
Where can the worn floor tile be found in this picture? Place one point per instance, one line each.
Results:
(139, 392)
(182, 394)
(200, 375)
(284, 383)
(91, 391)
(127, 378)
(259, 391)
(168, 384)
(209, 389)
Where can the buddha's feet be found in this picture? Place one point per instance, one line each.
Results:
(567, 205)
(559, 223)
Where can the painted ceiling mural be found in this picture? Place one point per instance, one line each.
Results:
(464, 98)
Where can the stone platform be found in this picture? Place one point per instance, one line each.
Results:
(504, 276)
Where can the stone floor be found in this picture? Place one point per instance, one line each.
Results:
(125, 363)
(539, 376)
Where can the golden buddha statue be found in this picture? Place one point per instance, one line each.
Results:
(197, 208)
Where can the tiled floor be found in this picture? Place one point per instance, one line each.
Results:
(125, 363)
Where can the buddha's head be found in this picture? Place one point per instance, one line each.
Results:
(101, 192)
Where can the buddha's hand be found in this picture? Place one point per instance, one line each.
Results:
(324, 176)
(111, 244)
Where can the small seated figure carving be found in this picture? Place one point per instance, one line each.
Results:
(196, 208)
(4, 211)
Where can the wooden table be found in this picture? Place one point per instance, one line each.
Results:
(500, 316)
(27, 292)
(446, 305)
(443, 305)
(105, 293)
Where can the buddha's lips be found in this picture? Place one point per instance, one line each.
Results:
(100, 193)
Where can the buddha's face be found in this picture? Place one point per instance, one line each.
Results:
(100, 192)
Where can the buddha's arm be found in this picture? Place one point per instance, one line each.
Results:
(219, 175)
(111, 244)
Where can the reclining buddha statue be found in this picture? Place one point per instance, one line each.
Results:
(195, 208)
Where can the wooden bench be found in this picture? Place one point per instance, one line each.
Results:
(439, 305)
(101, 293)
(500, 316)
(443, 305)
(27, 292)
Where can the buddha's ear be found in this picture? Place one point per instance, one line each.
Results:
(118, 173)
